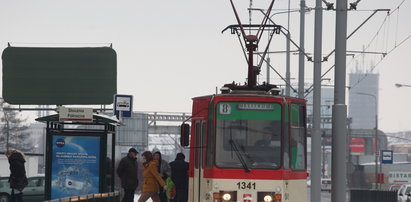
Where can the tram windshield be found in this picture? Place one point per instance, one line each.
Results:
(248, 135)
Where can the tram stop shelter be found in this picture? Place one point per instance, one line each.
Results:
(79, 156)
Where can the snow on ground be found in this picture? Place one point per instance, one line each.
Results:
(136, 196)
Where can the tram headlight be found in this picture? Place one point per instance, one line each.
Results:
(227, 197)
(268, 198)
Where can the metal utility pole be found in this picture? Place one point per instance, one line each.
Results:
(376, 136)
(339, 121)
(377, 146)
(301, 55)
(287, 60)
(316, 131)
(268, 69)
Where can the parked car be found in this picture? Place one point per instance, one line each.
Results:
(326, 184)
(34, 192)
(404, 192)
(395, 187)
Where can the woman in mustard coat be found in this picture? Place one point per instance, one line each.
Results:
(152, 179)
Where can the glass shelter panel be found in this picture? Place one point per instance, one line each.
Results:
(248, 135)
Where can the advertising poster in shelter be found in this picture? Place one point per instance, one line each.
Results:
(75, 167)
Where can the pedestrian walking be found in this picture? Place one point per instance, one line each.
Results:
(179, 175)
(164, 169)
(152, 179)
(18, 179)
(127, 171)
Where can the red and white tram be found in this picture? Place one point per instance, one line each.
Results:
(247, 143)
(248, 146)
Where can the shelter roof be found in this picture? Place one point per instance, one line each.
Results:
(97, 119)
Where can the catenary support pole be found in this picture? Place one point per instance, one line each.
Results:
(301, 55)
(316, 131)
(287, 60)
(268, 69)
(339, 126)
(377, 145)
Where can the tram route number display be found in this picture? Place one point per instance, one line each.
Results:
(246, 185)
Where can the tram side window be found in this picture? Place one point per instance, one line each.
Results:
(210, 145)
(202, 146)
(197, 140)
(297, 116)
(286, 139)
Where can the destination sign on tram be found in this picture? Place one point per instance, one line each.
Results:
(256, 106)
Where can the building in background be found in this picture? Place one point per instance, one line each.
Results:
(363, 108)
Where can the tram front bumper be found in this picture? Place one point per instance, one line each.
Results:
(231, 196)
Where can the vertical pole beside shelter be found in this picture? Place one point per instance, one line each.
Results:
(316, 132)
(113, 156)
(47, 181)
(339, 126)
(301, 55)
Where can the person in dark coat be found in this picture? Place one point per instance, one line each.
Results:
(18, 179)
(179, 175)
(164, 169)
(127, 171)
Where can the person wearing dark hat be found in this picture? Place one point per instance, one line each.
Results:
(127, 171)
(179, 175)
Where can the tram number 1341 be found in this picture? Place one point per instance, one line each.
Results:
(246, 185)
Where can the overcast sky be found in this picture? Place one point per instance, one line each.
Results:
(171, 51)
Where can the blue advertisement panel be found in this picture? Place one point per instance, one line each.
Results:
(75, 166)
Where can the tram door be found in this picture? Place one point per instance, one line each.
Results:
(199, 160)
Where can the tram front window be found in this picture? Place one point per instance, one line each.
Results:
(248, 135)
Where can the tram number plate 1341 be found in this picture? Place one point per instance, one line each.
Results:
(246, 185)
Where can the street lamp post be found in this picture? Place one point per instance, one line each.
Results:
(376, 134)
(398, 85)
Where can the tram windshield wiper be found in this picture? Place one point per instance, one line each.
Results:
(239, 155)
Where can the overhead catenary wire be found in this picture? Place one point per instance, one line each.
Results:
(375, 38)
(373, 67)
(282, 78)
(285, 34)
(355, 57)
(396, 29)
(353, 32)
(388, 33)
(397, 9)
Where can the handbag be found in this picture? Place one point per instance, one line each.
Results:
(171, 188)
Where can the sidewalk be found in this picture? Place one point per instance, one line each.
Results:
(136, 196)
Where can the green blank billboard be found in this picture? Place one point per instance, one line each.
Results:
(59, 76)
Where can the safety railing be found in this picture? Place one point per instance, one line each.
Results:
(98, 197)
(364, 195)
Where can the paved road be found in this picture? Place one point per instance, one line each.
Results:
(325, 195)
